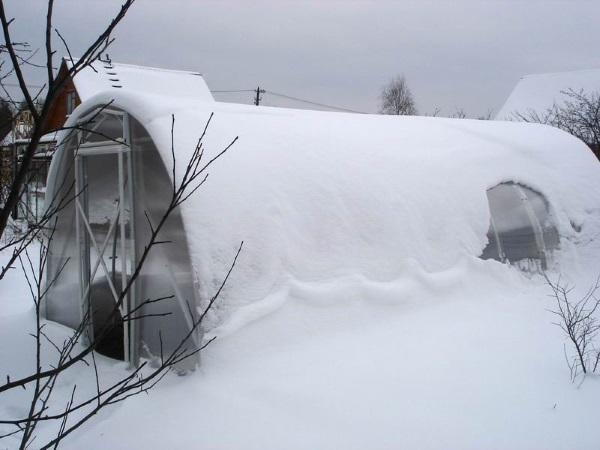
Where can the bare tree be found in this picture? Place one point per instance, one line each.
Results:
(435, 113)
(577, 319)
(20, 56)
(397, 99)
(486, 116)
(79, 348)
(578, 114)
(459, 113)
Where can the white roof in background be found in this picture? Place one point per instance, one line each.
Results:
(110, 76)
(9, 139)
(538, 92)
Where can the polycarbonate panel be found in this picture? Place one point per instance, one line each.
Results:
(505, 199)
(521, 227)
(63, 300)
(105, 127)
(167, 270)
(539, 205)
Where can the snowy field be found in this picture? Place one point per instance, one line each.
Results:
(465, 358)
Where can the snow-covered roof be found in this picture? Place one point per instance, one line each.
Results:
(320, 196)
(536, 93)
(109, 76)
(45, 139)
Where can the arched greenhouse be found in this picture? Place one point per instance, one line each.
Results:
(315, 196)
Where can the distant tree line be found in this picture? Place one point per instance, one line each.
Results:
(397, 99)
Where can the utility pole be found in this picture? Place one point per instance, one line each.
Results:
(257, 97)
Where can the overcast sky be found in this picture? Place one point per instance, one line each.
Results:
(455, 54)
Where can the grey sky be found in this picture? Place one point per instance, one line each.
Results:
(462, 53)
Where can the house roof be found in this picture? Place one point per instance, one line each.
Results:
(538, 92)
(104, 76)
(10, 140)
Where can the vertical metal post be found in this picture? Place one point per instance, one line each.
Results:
(78, 236)
(37, 189)
(123, 256)
(15, 211)
(133, 257)
(83, 260)
(535, 224)
(499, 247)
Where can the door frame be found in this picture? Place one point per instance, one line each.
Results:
(86, 240)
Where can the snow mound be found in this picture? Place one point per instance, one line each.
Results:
(319, 196)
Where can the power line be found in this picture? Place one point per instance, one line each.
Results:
(314, 103)
(235, 90)
(289, 97)
(18, 85)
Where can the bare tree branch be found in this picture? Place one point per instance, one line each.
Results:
(577, 319)
(578, 114)
(49, 51)
(141, 380)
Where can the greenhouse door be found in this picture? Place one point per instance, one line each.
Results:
(106, 245)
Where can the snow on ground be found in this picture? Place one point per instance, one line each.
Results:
(358, 316)
(457, 359)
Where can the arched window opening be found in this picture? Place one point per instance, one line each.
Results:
(521, 226)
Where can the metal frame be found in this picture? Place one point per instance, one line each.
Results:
(128, 169)
(86, 239)
(535, 224)
(132, 349)
(102, 148)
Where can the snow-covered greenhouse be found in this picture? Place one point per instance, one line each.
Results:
(315, 196)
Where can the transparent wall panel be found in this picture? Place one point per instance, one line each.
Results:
(103, 231)
(521, 227)
(87, 182)
(540, 207)
(104, 127)
(513, 224)
(168, 270)
(63, 300)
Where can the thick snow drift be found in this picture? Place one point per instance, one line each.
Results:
(319, 195)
